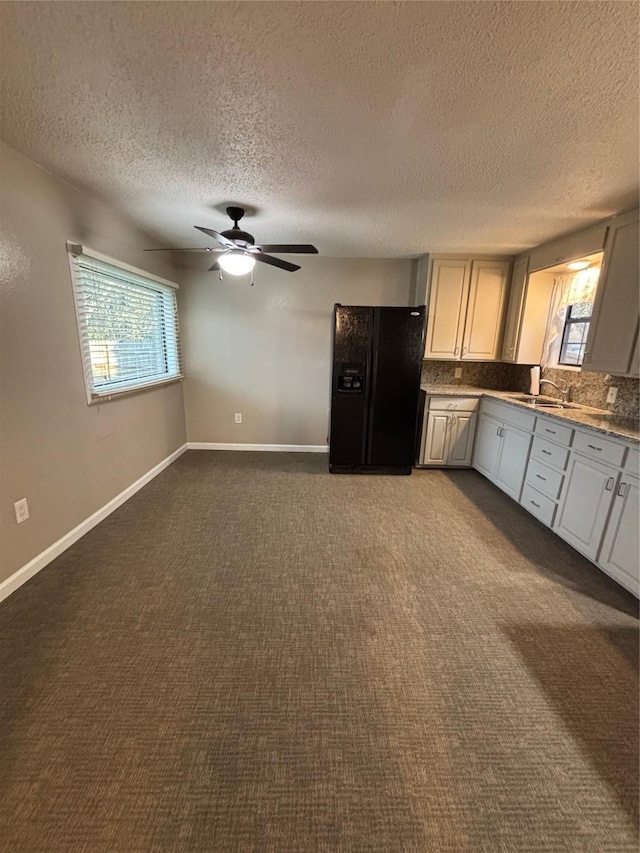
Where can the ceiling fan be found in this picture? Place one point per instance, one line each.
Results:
(239, 251)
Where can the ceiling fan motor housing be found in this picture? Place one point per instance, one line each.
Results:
(239, 236)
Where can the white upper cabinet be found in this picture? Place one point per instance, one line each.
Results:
(527, 314)
(466, 309)
(515, 306)
(447, 307)
(485, 311)
(586, 242)
(612, 342)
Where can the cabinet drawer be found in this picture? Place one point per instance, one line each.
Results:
(509, 414)
(544, 479)
(550, 454)
(548, 428)
(593, 445)
(542, 507)
(454, 404)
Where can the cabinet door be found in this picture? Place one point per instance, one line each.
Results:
(447, 305)
(487, 446)
(620, 554)
(436, 439)
(588, 493)
(461, 434)
(512, 463)
(485, 312)
(516, 305)
(614, 324)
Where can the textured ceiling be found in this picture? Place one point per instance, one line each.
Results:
(372, 129)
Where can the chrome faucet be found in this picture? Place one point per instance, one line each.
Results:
(564, 392)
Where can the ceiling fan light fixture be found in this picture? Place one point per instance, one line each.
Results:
(237, 263)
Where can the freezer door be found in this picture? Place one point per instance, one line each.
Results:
(398, 346)
(350, 386)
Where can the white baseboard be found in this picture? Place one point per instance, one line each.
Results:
(45, 557)
(278, 448)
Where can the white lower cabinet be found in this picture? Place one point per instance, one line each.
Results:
(501, 454)
(585, 487)
(461, 436)
(448, 439)
(585, 504)
(435, 443)
(487, 450)
(514, 453)
(620, 553)
(448, 431)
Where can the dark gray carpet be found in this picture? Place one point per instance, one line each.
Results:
(252, 655)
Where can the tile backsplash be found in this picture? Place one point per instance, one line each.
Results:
(588, 388)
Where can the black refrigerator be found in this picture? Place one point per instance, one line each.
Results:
(377, 358)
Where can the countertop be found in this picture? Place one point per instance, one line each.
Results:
(600, 420)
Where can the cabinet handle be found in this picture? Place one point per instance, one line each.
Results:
(552, 431)
(455, 352)
(609, 485)
(593, 447)
(546, 452)
(622, 490)
(464, 350)
(544, 479)
(535, 504)
(498, 431)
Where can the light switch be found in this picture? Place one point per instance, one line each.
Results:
(457, 373)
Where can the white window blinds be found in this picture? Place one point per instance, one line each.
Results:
(128, 327)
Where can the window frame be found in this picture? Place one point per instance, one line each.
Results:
(96, 396)
(569, 322)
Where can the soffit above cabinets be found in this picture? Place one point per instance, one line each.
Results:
(404, 128)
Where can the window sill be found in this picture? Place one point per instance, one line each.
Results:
(96, 398)
(569, 367)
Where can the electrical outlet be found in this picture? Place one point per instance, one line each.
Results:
(238, 417)
(21, 509)
(613, 393)
(457, 373)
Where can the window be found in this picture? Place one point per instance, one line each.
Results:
(128, 325)
(574, 336)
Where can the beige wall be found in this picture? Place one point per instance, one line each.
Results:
(67, 458)
(265, 350)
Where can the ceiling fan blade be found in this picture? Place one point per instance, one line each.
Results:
(275, 262)
(188, 249)
(215, 266)
(224, 240)
(293, 248)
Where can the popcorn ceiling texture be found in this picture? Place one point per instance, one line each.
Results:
(588, 388)
(371, 129)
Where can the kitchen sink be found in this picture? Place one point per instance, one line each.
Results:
(534, 402)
